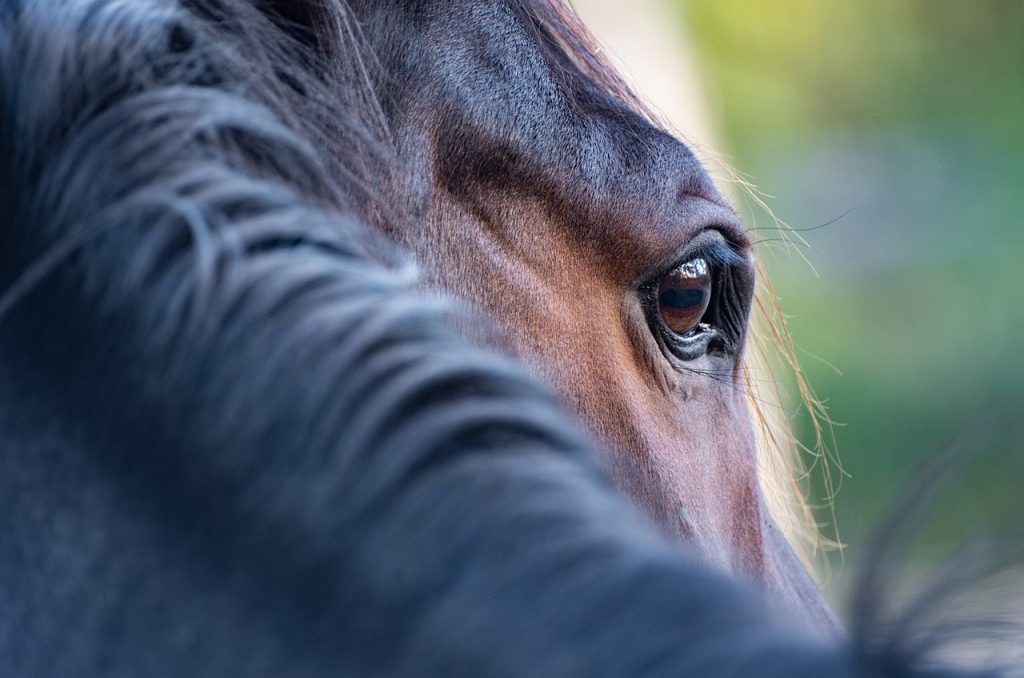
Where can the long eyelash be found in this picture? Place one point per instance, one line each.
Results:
(721, 254)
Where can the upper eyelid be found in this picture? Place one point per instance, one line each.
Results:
(721, 253)
(710, 243)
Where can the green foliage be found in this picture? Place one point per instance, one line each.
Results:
(797, 66)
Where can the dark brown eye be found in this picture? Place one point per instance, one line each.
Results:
(684, 294)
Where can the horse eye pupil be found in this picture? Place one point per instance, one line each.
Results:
(681, 298)
(684, 294)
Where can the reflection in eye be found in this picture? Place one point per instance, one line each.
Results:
(684, 294)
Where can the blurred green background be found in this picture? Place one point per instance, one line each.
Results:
(894, 130)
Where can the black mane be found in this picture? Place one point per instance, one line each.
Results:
(235, 440)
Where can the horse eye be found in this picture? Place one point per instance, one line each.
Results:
(684, 294)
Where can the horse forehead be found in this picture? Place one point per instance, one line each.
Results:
(497, 77)
(508, 113)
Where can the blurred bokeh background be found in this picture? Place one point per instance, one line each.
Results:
(889, 134)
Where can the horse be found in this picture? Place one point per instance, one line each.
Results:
(244, 434)
(544, 194)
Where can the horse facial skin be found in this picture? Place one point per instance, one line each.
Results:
(233, 442)
(550, 203)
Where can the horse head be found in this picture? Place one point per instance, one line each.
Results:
(542, 193)
(234, 443)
